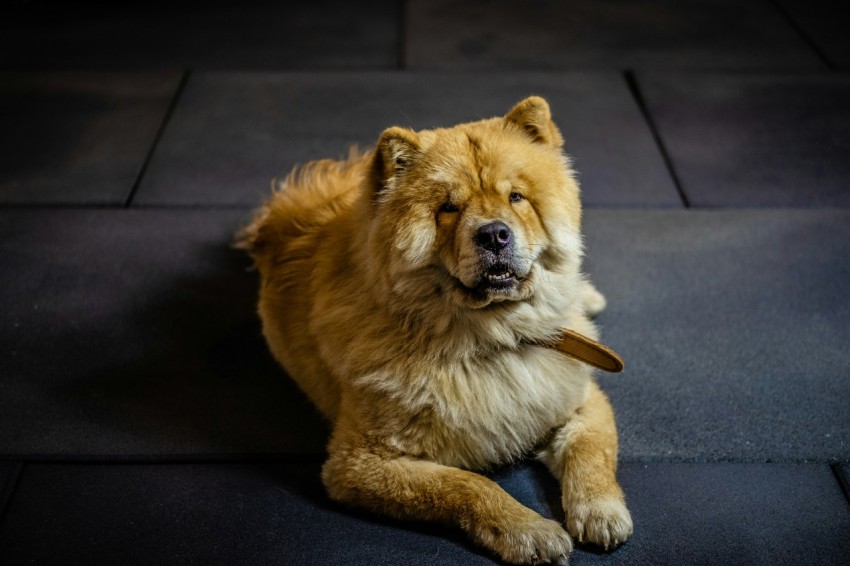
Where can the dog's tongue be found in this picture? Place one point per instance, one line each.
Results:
(589, 351)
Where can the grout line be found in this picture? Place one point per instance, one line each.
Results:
(842, 480)
(196, 206)
(401, 47)
(789, 19)
(159, 133)
(313, 457)
(9, 488)
(723, 460)
(70, 206)
(631, 81)
(30, 206)
(168, 460)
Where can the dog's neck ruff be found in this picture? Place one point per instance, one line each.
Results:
(591, 352)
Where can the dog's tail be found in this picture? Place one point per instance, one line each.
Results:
(302, 201)
(247, 237)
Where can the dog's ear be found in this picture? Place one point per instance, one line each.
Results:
(396, 150)
(533, 117)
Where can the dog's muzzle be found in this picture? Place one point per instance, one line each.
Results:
(495, 243)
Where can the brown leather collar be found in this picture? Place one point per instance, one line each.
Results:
(589, 351)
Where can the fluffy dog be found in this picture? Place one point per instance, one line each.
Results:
(412, 293)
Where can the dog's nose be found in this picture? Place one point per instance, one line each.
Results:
(493, 236)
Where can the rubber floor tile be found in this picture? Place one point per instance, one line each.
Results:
(134, 334)
(206, 515)
(279, 514)
(756, 140)
(78, 138)
(602, 34)
(733, 328)
(732, 514)
(326, 34)
(232, 133)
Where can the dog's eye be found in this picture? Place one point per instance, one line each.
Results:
(515, 197)
(448, 207)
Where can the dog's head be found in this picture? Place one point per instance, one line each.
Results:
(483, 213)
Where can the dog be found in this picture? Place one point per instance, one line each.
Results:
(413, 293)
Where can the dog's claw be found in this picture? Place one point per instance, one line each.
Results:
(606, 523)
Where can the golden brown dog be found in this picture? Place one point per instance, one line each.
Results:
(411, 292)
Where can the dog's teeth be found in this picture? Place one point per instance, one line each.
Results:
(499, 276)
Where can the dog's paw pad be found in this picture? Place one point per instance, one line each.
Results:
(605, 522)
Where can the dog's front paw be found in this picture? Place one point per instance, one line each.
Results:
(530, 540)
(594, 301)
(604, 521)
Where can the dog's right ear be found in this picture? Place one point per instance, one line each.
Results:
(396, 150)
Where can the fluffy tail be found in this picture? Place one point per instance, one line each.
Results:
(306, 199)
(246, 238)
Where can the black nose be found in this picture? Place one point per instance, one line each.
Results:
(493, 236)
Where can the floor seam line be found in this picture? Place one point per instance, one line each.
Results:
(166, 119)
(842, 480)
(8, 490)
(798, 29)
(637, 95)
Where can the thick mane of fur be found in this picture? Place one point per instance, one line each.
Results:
(395, 303)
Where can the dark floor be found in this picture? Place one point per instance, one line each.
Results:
(142, 420)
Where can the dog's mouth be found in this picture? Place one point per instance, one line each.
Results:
(498, 282)
(493, 278)
(498, 277)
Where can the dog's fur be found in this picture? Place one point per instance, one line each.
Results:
(410, 292)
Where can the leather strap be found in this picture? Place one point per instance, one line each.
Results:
(589, 351)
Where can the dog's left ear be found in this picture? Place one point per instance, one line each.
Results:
(533, 117)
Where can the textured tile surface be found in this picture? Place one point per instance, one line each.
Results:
(78, 137)
(203, 514)
(733, 514)
(131, 333)
(733, 327)
(602, 34)
(756, 140)
(231, 133)
(202, 35)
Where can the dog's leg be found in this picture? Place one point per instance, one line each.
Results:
(583, 456)
(366, 475)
